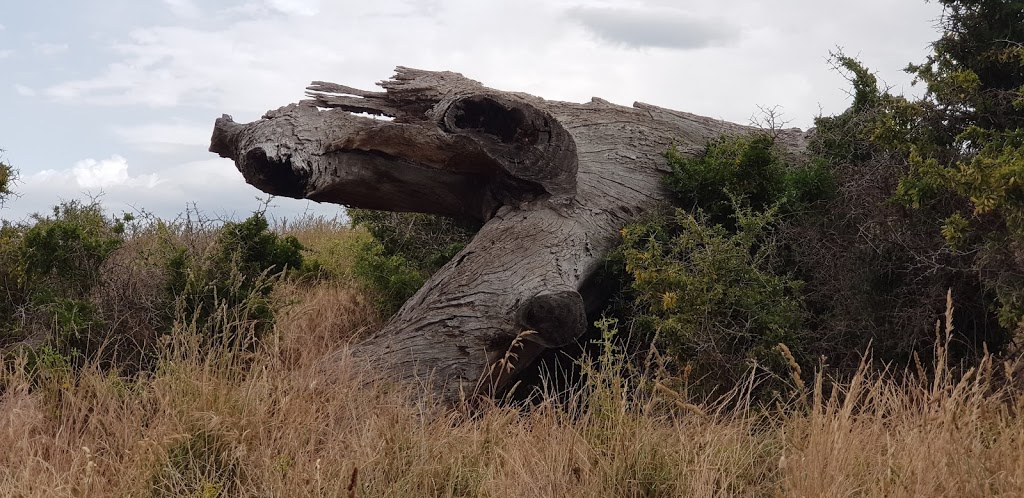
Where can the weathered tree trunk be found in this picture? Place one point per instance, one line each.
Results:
(554, 182)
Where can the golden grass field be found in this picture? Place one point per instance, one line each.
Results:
(299, 417)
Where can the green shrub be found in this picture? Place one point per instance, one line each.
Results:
(51, 268)
(46, 367)
(392, 278)
(226, 293)
(951, 167)
(713, 298)
(406, 249)
(711, 282)
(252, 248)
(981, 200)
(750, 167)
(960, 153)
(63, 252)
(89, 287)
(13, 293)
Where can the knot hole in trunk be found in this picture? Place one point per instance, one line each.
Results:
(508, 123)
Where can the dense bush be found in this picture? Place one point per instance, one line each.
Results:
(709, 282)
(931, 188)
(81, 286)
(971, 172)
(63, 252)
(713, 298)
(50, 268)
(11, 270)
(13, 294)
(225, 292)
(405, 249)
(750, 168)
(901, 201)
(955, 159)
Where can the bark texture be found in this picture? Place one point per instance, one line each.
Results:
(554, 183)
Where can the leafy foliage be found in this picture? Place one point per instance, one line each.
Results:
(751, 168)
(975, 75)
(392, 278)
(713, 298)
(709, 282)
(237, 279)
(8, 175)
(13, 292)
(51, 268)
(957, 153)
(87, 287)
(405, 250)
(63, 252)
(975, 105)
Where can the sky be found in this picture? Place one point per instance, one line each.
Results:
(115, 99)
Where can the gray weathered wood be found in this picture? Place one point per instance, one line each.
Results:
(553, 181)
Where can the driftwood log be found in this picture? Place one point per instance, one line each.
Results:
(554, 183)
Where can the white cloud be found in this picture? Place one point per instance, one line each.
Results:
(49, 49)
(775, 53)
(663, 28)
(166, 137)
(108, 178)
(24, 91)
(96, 174)
(5, 53)
(183, 8)
(295, 7)
(212, 185)
(2, 27)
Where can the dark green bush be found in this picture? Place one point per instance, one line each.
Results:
(393, 279)
(226, 293)
(713, 298)
(712, 282)
(751, 168)
(13, 294)
(806, 251)
(918, 213)
(63, 252)
(52, 267)
(252, 248)
(958, 156)
(406, 249)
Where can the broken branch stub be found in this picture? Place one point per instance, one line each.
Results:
(554, 183)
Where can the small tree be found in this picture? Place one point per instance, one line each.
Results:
(974, 107)
(954, 163)
(975, 75)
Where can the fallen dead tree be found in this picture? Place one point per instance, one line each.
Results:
(553, 182)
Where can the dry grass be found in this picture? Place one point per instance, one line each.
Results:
(272, 423)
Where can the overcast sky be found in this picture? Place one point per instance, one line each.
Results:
(119, 96)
